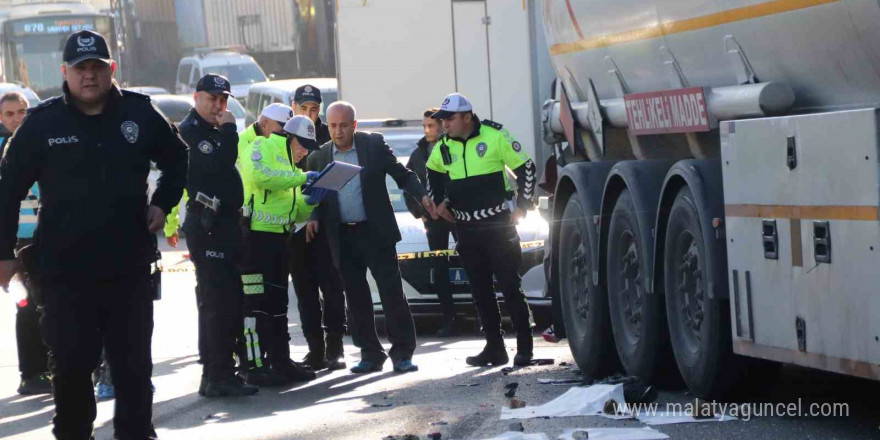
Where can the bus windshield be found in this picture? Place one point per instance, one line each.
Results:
(32, 47)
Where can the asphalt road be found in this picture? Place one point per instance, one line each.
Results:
(340, 405)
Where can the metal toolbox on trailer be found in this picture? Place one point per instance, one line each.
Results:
(801, 200)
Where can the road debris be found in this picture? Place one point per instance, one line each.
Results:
(542, 362)
(611, 407)
(435, 436)
(634, 389)
(511, 389)
(381, 405)
(468, 385)
(402, 437)
(440, 423)
(516, 427)
(516, 403)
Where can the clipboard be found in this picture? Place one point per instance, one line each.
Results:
(333, 177)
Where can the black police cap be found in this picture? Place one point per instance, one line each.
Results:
(85, 45)
(307, 93)
(214, 84)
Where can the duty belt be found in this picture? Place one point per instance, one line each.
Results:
(480, 214)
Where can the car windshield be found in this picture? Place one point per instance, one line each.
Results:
(173, 109)
(396, 194)
(238, 73)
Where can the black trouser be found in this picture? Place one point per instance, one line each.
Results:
(311, 267)
(33, 355)
(82, 315)
(264, 273)
(215, 255)
(438, 239)
(487, 248)
(357, 254)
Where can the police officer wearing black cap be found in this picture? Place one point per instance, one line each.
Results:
(93, 254)
(307, 102)
(212, 230)
(311, 267)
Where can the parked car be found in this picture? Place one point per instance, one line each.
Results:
(176, 107)
(31, 96)
(400, 135)
(416, 267)
(148, 90)
(241, 70)
(262, 94)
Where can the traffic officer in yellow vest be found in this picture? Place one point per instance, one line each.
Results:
(273, 203)
(466, 174)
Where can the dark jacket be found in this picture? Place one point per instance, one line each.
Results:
(212, 156)
(322, 136)
(416, 163)
(92, 172)
(377, 160)
(322, 133)
(4, 139)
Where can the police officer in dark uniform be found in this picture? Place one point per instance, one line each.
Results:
(438, 230)
(467, 175)
(311, 267)
(90, 152)
(212, 230)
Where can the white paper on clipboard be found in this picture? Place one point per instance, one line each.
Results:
(336, 175)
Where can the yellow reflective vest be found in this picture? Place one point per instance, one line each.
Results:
(272, 195)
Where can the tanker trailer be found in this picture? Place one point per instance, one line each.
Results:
(716, 186)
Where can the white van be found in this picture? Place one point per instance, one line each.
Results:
(262, 94)
(241, 70)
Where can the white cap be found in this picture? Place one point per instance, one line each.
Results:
(278, 112)
(454, 103)
(304, 129)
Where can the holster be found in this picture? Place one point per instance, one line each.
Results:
(207, 217)
(156, 274)
(27, 260)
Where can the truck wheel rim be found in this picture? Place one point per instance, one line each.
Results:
(690, 286)
(580, 270)
(630, 282)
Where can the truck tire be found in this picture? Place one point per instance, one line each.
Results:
(638, 318)
(584, 305)
(699, 327)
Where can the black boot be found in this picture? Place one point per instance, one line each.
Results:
(494, 353)
(524, 344)
(231, 386)
(293, 371)
(316, 359)
(335, 352)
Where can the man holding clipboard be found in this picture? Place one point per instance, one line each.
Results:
(363, 233)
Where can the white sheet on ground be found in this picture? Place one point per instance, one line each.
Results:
(668, 418)
(520, 436)
(577, 401)
(617, 434)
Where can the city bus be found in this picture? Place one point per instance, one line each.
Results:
(32, 41)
